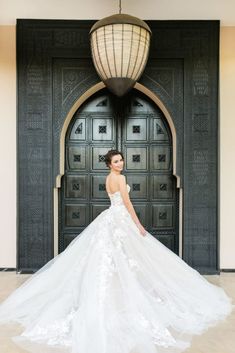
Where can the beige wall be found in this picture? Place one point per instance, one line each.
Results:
(8, 147)
(227, 147)
(93, 9)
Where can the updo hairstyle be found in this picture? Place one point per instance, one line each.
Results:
(109, 155)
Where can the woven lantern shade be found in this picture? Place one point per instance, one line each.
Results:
(120, 48)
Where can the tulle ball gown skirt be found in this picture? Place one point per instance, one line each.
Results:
(113, 290)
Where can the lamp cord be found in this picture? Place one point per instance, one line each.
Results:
(120, 6)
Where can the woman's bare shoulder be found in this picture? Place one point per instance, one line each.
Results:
(116, 177)
(113, 183)
(122, 178)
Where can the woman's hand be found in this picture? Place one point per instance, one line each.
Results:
(142, 229)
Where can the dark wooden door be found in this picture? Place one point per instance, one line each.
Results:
(139, 129)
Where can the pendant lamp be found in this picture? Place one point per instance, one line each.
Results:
(120, 47)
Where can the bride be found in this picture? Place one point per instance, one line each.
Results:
(114, 289)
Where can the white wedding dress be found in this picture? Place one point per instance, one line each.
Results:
(113, 290)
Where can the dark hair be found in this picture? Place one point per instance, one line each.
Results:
(110, 154)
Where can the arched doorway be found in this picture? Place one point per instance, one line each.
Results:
(137, 127)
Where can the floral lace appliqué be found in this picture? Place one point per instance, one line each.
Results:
(56, 333)
(161, 336)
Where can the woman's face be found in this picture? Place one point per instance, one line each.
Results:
(117, 163)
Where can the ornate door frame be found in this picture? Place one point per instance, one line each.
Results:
(182, 71)
(69, 231)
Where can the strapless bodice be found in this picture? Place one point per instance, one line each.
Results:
(116, 198)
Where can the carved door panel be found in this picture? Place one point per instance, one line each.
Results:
(92, 132)
(147, 145)
(137, 128)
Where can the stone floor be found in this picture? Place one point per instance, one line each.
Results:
(218, 339)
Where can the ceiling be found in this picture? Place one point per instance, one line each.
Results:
(224, 10)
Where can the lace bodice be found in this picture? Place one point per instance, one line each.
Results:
(116, 198)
